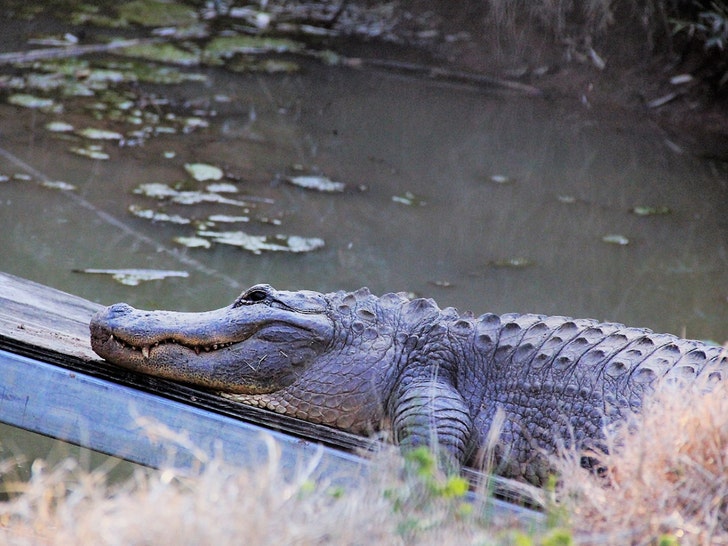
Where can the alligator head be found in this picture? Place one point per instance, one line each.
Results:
(259, 344)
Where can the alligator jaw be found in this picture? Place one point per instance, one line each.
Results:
(146, 350)
(250, 349)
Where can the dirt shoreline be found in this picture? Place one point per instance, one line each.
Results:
(622, 72)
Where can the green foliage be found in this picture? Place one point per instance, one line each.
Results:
(558, 536)
(668, 540)
(428, 496)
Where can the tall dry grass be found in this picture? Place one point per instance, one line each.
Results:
(555, 16)
(232, 506)
(666, 483)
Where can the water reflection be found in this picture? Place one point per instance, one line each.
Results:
(572, 177)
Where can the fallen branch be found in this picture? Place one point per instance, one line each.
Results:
(445, 74)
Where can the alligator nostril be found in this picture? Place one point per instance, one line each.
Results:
(116, 310)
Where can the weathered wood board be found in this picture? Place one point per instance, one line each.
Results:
(40, 316)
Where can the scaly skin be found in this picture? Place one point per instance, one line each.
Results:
(434, 377)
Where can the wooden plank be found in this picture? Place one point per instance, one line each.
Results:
(144, 428)
(46, 318)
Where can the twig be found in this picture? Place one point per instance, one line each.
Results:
(446, 74)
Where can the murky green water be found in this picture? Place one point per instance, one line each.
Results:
(573, 176)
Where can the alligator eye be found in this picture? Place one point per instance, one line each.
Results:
(255, 296)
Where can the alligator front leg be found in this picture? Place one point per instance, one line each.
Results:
(432, 414)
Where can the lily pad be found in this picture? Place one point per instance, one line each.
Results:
(224, 47)
(58, 185)
(156, 216)
(269, 66)
(162, 53)
(192, 123)
(91, 151)
(193, 242)
(31, 101)
(318, 183)
(222, 188)
(134, 277)
(59, 127)
(203, 172)
(501, 179)
(259, 243)
(99, 134)
(163, 191)
(615, 239)
(514, 263)
(225, 218)
(156, 13)
(650, 211)
(410, 199)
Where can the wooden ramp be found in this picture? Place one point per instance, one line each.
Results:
(54, 384)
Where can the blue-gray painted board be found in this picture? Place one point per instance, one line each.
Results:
(109, 418)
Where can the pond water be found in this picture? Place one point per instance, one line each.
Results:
(485, 201)
(513, 199)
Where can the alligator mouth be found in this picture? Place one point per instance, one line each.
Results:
(145, 350)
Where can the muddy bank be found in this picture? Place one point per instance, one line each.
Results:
(630, 62)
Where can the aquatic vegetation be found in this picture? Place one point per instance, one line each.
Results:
(517, 262)
(59, 127)
(31, 101)
(222, 187)
(501, 179)
(156, 13)
(269, 66)
(156, 216)
(410, 199)
(202, 171)
(184, 197)
(224, 47)
(259, 243)
(615, 239)
(226, 218)
(192, 242)
(134, 277)
(91, 151)
(99, 134)
(58, 185)
(162, 53)
(318, 183)
(642, 210)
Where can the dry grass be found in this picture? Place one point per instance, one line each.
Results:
(559, 17)
(223, 505)
(667, 484)
(668, 481)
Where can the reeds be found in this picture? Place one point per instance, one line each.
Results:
(666, 482)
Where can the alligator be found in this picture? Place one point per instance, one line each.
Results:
(511, 389)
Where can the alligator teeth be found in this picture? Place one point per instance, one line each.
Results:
(145, 351)
(197, 350)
